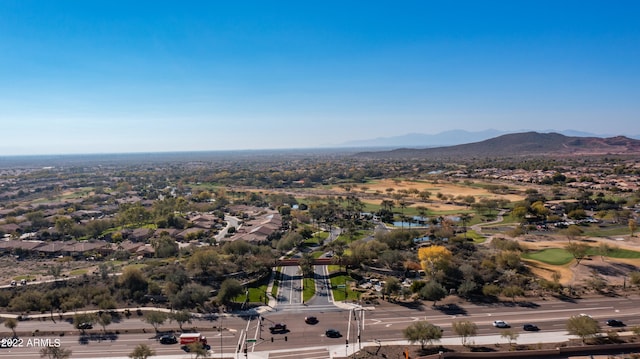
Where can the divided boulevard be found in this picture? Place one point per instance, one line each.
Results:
(377, 325)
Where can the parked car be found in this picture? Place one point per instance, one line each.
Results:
(168, 339)
(85, 325)
(501, 324)
(530, 327)
(311, 320)
(332, 333)
(615, 323)
(278, 328)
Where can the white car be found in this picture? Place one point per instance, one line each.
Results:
(501, 324)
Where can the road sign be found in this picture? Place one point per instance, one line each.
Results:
(251, 340)
(341, 286)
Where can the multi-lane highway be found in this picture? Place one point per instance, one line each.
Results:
(383, 323)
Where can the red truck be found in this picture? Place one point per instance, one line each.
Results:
(188, 338)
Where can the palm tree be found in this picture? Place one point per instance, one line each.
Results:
(464, 217)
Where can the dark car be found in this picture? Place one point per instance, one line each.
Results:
(311, 320)
(530, 327)
(168, 339)
(187, 348)
(614, 323)
(278, 328)
(84, 326)
(332, 333)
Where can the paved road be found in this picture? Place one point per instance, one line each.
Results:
(384, 323)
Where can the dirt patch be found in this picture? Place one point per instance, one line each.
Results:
(38, 269)
(449, 190)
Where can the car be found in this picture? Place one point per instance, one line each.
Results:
(6, 343)
(311, 320)
(530, 327)
(85, 325)
(332, 333)
(187, 348)
(168, 339)
(14, 283)
(278, 328)
(501, 324)
(615, 323)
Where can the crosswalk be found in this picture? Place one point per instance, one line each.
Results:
(313, 353)
(300, 308)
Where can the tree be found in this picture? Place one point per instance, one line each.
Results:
(202, 260)
(577, 250)
(165, 246)
(604, 250)
(465, 329)
(181, 316)
(433, 258)
(391, 286)
(229, 289)
(11, 323)
(104, 319)
(512, 291)
(156, 319)
(634, 278)
(583, 326)
(133, 282)
(510, 335)
(141, 351)
(55, 271)
(53, 352)
(198, 349)
(306, 265)
(422, 332)
(572, 232)
(633, 226)
(433, 291)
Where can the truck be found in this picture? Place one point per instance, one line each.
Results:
(188, 338)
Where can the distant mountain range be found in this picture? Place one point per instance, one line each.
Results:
(520, 145)
(450, 138)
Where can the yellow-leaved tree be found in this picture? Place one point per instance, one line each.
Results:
(434, 258)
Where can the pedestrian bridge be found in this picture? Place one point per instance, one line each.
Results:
(296, 262)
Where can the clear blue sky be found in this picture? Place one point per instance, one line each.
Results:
(91, 76)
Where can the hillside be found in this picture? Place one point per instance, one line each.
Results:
(522, 145)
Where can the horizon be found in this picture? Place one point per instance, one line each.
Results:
(345, 148)
(111, 77)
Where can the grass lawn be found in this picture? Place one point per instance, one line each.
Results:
(477, 237)
(553, 256)
(617, 253)
(256, 295)
(309, 289)
(276, 282)
(341, 290)
(596, 231)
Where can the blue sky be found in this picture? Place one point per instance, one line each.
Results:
(144, 76)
